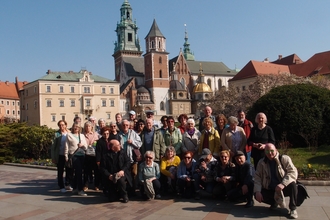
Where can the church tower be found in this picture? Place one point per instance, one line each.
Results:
(127, 44)
(186, 48)
(156, 68)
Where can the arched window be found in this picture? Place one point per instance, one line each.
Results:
(162, 106)
(159, 45)
(160, 59)
(209, 83)
(160, 74)
(183, 82)
(219, 83)
(152, 45)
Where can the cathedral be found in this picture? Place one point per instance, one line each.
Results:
(153, 82)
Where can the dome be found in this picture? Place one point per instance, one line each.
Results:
(142, 89)
(176, 85)
(202, 88)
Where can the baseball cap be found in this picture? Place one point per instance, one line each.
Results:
(132, 112)
(205, 153)
(239, 153)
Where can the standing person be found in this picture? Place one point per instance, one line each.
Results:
(130, 140)
(102, 145)
(247, 126)
(93, 120)
(149, 174)
(233, 138)
(163, 119)
(260, 135)
(150, 114)
(90, 166)
(221, 122)
(173, 136)
(140, 127)
(76, 145)
(119, 118)
(101, 123)
(114, 132)
(58, 158)
(207, 114)
(132, 115)
(115, 168)
(209, 138)
(191, 138)
(77, 121)
(275, 178)
(152, 140)
(183, 122)
(244, 181)
(185, 172)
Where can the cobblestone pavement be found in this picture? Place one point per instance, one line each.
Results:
(29, 193)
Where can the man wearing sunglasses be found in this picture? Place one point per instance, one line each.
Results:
(275, 178)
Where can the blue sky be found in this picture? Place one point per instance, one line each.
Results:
(63, 35)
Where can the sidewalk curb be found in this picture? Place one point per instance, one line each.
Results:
(30, 166)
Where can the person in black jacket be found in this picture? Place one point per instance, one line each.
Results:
(244, 187)
(115, 167)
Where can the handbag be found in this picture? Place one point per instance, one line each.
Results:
(90, 151)
(137, 155)
(69, 163)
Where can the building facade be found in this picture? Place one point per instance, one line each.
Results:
(65, 95)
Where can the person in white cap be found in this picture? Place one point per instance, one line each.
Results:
(132, 115)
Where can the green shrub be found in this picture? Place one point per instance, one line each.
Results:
(299, 113)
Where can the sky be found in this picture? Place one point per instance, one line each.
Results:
(64, 35)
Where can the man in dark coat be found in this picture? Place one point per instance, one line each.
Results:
(244, 187)
(115, 167)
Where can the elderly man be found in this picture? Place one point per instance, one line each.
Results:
(207, 114)
(130, 140)
(275, 178)
(150, 114)
(132, 115)
(247, 126)
(244, 180)
(115, 167)
(153, 140)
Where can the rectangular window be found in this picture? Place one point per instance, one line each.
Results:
(104, 103)
(13, 112)
(7, 112)
(53, 117)
(18, 112)
(63, 117)
(112, 103)
(35, 89)
(108, 116)
(130, 37)
(48, 89)
(88, 102)
(27, 106)
(73, 103)
(1, 101)
(72, 89)
(87, 90)
(61, 89)
(49, 103)
(17, 103)
(61, 103)
(7, 102)
(111, 90)
(103, 90)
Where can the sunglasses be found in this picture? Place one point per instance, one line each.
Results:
(269, 151)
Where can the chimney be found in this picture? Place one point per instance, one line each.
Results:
(48, 72)
(266, 60)
(280, 57)
(7, 83)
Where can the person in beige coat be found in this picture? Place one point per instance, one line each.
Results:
(76, 145)
(233, 137)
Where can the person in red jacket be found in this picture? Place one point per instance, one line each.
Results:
(247, 126)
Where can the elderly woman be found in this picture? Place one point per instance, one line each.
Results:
(149, 174)
(224, 175)
(183, 122)
(221, 122)
(190, 138)
(233, 138)
(168, 168)
(259, 137)
(210, 138)
(57, 152)
(90, 165)
(186, 170)
(173, 136)
(76, 146)
(101, 123)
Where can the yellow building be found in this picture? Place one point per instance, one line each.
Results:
(65, 95)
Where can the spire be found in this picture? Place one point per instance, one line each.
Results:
(201, 74)
(154, 31)
(186, 47)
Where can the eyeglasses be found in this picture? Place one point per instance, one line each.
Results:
(269, 151)
(149, 158)
(113, 126)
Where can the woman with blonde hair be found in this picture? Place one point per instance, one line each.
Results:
(168, 168)
(221, 122)
(210, 138)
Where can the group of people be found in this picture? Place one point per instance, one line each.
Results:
(160, 158)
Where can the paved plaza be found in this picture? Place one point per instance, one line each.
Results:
(30, 193)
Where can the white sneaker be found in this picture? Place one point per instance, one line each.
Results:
(294, 214)
(82, 193)
(63, 190)
(68, 188)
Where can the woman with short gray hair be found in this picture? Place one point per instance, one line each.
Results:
(190, 138)
(233, 138)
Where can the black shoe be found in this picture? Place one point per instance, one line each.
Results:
(249, 204)
(125, 199)
(273, 206)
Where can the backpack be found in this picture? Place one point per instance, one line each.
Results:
(302, 193)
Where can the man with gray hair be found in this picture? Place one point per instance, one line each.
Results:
(276, 177)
